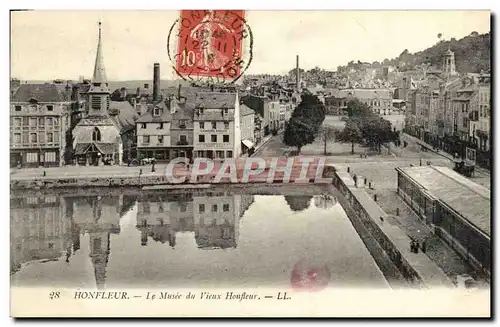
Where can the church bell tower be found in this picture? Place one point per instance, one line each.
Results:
(98, 100)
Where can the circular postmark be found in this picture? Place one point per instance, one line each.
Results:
(210, 46)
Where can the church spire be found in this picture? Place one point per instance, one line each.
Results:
(99, 71)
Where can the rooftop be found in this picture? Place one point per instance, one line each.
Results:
(126, 117)
(215, 100)
(148, 117)
(41, 93)
(245, 111)
(469, 199)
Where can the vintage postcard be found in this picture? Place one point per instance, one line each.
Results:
(239, 163)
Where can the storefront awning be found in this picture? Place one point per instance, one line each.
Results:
(247, 143)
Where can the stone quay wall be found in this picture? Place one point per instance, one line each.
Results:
(418, 269)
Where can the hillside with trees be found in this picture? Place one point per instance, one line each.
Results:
(472, 54)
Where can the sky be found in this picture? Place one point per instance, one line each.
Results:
(48, 45)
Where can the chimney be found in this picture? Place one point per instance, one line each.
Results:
(297, 74)
(74, 93)
(156, 82)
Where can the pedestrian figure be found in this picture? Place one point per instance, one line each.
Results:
(416, 246)
(412, 246)
(153, 165)
(381, 219)
(44, 173)
(355, 178)
(424, 248)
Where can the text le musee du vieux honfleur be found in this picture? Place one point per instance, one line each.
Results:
(158, 295)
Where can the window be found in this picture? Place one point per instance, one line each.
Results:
(96, 135)
(50, 157)
(26, 138)
(225, 207)
(156, 112)
(160, 139)
(183, 207)
(202, 125)
(17, 122)
(214, 125)
(41, 139)
(225, 138)
(50, 107)
(201, 138)
(18, 108)
(41, 121)
(201, 207)
(32, 157)
(183, 138)
(143, 125)
(56, 121)
(226, 125)
(214, 208)
(33, 122)
(145, 139)
(229, 154)
(50, 122)
(56, 137)
(219, 154)
(214, 138)
(182, 123)
(96, 102)
(33, 137)
(17, 138)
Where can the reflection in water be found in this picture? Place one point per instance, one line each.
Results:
(324, 201)
(47, 228)
(214, 218)
(109, 239)
(298, 202)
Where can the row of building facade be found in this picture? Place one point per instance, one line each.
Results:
(449, 110)
(59, 123)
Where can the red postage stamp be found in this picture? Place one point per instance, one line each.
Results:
(210, 45)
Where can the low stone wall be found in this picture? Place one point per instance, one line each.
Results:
(138, 181)
(417, 268)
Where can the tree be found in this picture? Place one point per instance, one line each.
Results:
(350, 134)
(298, 202)
(298, 133)
(327, 134)
(376, 131)
(306, 119)
(356, 108)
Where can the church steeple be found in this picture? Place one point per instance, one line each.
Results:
(98, 103)
(99, 77)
